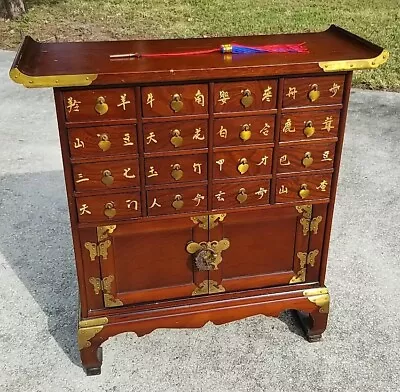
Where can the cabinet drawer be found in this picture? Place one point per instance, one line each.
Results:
(309, 91)
(106, 175)
(244, 130)
(103, 207)
(175, 100)
(177, 200)
(242, 163)
(174, 169)
(245, 96)
(240, 194)
(306, 157)
(309, 125)
(303, 188)
(99, 105)
(176, 135)
(102, 141)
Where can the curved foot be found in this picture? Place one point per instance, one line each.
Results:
(313, 324)
(92, 358)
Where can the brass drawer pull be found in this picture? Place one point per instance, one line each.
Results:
(178, 202)
(243, 166)
(245, 134)
(177, 172)
(107, 178)
(101, 107)
(104, 143)
(314, 93)
(309, 129)
(109, 210)
(307, 160)
(242, 195)
(304, 192)
(176, 104)
(247, 99)
(176, 139)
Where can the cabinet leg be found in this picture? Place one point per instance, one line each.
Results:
(92, 358)
(313, 324)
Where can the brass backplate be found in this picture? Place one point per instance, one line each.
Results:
(320, 297)
(89, 328)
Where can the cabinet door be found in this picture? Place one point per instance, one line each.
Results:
(148, 261)
(266, 248)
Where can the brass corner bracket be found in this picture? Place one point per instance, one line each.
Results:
(351, 65)
(320, 297)
(305, 259)
(208, 287)
(208, 222)
(51, 81)
(87, 329)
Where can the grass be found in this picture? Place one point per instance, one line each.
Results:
(48, 20)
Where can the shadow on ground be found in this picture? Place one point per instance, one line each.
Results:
(36, 241)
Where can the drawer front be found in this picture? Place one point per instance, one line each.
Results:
(102, 141)
(99, 105)
(310, 91)
(244, 130)
(306, 157)
(309, 125)
(112, 207)
(175, 100)
(177, 200)
(176, 169)
(174, 136)
(106, 175)
(242, 163)
(303, 188)
(240, 194)
(245, 96)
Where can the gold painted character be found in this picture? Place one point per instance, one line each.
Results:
(327, 124)
(292, 91)
(334, 89)
(219, 196)
(322, 186)
(130, 202)
(199, 98)
(325, 156)
(198, 198)
(265, 129)
(288, 127)
(84, 210)
(261, 192)
(267, 94)
(263, 161)
(197, 135)
(220, 162)
(127, 140)
(283, 189)
(152, 172)
(127, 175)
(73, 105)
(197, 168)
(150, 100)
(78, 143)
(124, 101)
(223, 132)
(155, 204)
(151, 138)
(81, 178)
(224, 97)
(284, 160)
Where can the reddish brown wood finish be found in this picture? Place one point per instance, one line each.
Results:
(106, 175)
(102, 142)
(80, 105)
(305, 157)
(175, 136)
(157, 100)
(244, 131)
(329, 91)
(149, 278)
(293, 125)
(228, 97)
(288, 188)
(256, 193)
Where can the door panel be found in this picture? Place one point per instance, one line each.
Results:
(263, 248)
(148, 261)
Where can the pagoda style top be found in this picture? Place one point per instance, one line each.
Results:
(64, 64)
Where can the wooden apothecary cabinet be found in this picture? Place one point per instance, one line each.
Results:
(200, 187)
